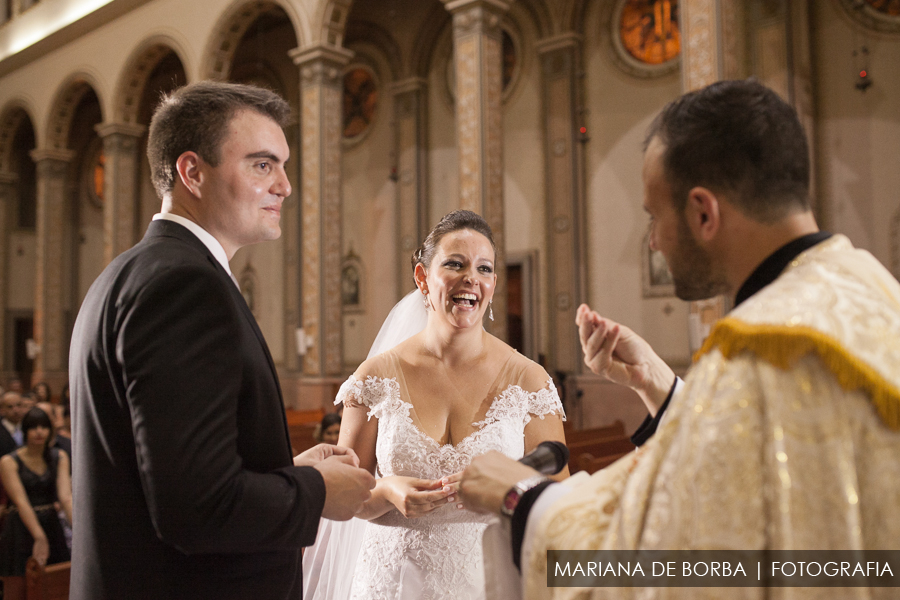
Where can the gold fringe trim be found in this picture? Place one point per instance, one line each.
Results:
(782, 346)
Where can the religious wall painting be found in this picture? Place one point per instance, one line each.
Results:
(93, 173)
(351, 283)
(360, 102)
(879, 15)
(646, 37)
(657, 279)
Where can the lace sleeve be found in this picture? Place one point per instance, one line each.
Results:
(545, 402)
(373, 393)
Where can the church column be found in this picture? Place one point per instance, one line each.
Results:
(49, 316)
(712, 39)
(121, 144)
(713, 47)
(8, 199)
(477, 45)
(321, 99)
(412, 214)
(564, 197)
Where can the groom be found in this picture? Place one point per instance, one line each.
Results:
(184, 484)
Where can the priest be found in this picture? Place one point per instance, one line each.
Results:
(785, 434)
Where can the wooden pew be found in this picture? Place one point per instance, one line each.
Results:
(587, 462)
(46, 583)
(616, 430)
(593, 455)
(13, 587)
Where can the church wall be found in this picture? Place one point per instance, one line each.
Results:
(620, 107)
(523, 160)
(858, 132)
(443, 163)
(370, 218)
(263, 60)
(22, 261)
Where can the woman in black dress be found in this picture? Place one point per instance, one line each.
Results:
(36, 478)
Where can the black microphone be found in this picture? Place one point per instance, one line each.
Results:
(549, 458)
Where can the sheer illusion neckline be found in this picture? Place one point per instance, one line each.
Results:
(403, 389)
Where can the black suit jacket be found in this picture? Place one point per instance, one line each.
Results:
(183, 478)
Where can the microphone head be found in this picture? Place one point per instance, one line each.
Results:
(560, 451)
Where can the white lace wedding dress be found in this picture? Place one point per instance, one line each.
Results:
(437, 556)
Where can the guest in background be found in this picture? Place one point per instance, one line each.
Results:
(41, 392)
(11, 415)
(35, 477)
(56, 440)
(329, 430)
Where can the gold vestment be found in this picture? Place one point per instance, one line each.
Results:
(785, 436)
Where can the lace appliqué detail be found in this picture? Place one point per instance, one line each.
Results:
(440, 555)
(509, 404)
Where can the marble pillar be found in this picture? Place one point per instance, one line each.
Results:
(565, 198)
(121, 148)
(8, 199)
(477, 45)
(412, 214)
(321, 99)
(50, 332)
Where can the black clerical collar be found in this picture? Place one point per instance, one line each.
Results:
(771, 268)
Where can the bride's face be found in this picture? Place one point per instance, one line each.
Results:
(460, 280)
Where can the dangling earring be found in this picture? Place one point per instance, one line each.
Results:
(425, 300)
(491, 309)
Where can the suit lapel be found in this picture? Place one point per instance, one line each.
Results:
(164, 228)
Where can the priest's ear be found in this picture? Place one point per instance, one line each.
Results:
(702, 213)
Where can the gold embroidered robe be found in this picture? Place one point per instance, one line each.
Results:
(785, 436)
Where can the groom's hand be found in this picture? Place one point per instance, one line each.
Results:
(320, 452)
(347, 486)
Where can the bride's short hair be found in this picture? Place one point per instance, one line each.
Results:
(454, 221)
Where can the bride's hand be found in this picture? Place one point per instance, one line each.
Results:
(451, 483)
(417, 497)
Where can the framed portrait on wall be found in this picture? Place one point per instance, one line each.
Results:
(655, 273)
(352, 284)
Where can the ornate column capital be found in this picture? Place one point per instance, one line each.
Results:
(567, 41)
(477, 16)
(126, 129)
(7, 178)
(321, 64)
(497, 6)
(40, 155)
(411, 84)
(120, 137)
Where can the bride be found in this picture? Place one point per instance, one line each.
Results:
(446, 394)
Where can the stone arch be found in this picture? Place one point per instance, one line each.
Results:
(64, 104)
(428, 39)
(537, 11)
(137, 71)
(333, 21)
(11, 118)
(363, 32)
(230, 29)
